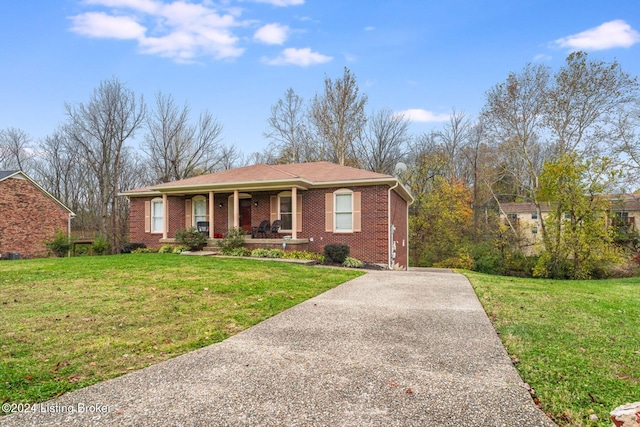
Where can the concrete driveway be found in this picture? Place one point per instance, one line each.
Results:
(387, 349)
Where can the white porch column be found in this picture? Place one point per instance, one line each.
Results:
(236, 209)
(211, 214)
(294, 213)
(165, 216)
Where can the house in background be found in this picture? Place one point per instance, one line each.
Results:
(29, 216)
(316, 203)
(623, 210)
(522, 218)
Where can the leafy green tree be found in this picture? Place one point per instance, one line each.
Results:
(439, 222)
(578, 242)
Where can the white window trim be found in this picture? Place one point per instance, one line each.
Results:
(335, 210)
(153, 217)
(285, 194)
(193, 210)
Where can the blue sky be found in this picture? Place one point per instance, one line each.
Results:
(236, 58)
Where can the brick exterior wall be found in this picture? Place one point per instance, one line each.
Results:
(28, 217)
(369, 245)
(400, 236)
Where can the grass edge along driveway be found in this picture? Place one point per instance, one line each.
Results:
(69, 323)
(577, 343)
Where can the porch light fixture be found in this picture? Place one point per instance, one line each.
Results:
(220, 205)
(255, 204)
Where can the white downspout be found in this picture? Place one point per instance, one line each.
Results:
(71, 215)
(391, 226)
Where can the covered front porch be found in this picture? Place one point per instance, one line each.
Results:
(286, 243)
(273, 215)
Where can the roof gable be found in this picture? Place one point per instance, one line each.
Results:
(4, 175)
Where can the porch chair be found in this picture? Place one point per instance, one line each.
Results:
(275, 227)
(203, 227)
(262, 229)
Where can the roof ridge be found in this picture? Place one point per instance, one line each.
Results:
(283, 171)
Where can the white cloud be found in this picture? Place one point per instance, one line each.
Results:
(178, 30)
(281, 3)
(272, 34)
(542, 57)
(606, 36)
(302, 57)
(422, 116)
(147, 6)
(349, 57)
(98, 24)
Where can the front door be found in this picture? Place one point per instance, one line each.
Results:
(245, 215)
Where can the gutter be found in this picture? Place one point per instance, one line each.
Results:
(392, 227)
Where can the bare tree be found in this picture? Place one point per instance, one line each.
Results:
(57, 168)
(514, 111)
(338, 117)
(15, 150)
(230, 157)
(628, 141)
(426, 160)
(477, 159)
(586, 97)
(177, 149)
(383, 142)
(166, 126)
(454, 137)
(99, 130)
(288, 133)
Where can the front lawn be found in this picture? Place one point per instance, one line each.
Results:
(68, 323)
(577, 343)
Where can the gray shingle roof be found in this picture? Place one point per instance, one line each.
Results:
(4, 174)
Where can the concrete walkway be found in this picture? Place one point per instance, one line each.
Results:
(387, 349)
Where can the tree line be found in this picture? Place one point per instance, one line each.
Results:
(556, 139)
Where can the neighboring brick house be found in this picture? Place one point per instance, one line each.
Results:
(317, 203)
(29, 216)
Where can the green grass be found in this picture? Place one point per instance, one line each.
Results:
(68, 323)
(577, 343)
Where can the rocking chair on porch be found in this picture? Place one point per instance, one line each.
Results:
(203, 227)
(262, 229)
(275, 227)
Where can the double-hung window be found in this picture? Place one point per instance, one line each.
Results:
(343, 211)
(199, 210)
(286, 212)
(157, 214)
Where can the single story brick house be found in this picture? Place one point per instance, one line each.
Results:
(316, 203)
(29, 216)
